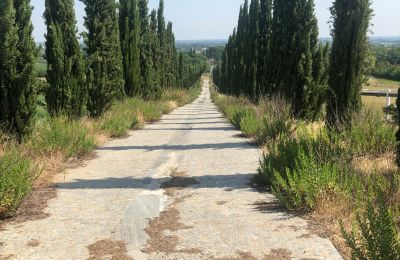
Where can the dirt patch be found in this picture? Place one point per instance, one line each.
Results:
(220, 203)
(33, 243)
(7, 257)
(160, 241)
(108, 249)
(278, 254)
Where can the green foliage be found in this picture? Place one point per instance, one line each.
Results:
(70, 137)
(369, 135)
(347, 68)
(309, 180)
(18, 54)
(121, 117)
(66, 93)
(104, 75)
(129, 25)
(250, 124)
(376, 235)
(398, 131)
(276, 54)
(16, 175)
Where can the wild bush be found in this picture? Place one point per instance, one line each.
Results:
(59, 134)
(250, 124)
(375, 234)
(301, 187)
(369, 135)
(120, 118)
(16, 175)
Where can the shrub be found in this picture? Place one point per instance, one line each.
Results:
(70, 137)
(276, 116)
(250, 124)
(182, 96)
(285, 151)
(369, 135)
(308, 181)
(16, 175)
(120, 118)
(151, 111)
(375, 235)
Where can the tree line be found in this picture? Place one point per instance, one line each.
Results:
(274, 50)
(128, 51)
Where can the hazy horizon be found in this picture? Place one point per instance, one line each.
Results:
(194, 20)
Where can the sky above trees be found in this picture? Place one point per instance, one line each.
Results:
(215, 19)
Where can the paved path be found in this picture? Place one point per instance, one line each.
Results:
(111, 207)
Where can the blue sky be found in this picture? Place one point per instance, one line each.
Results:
(215, 19)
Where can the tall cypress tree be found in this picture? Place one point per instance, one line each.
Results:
(8, 61)
(129, 23)
(156, 55)
(294, 40)
(348, 55)
(105, 80)
(264, 45)
(18, 54)
(66, 93)
(146, 55)
(161, 38)
(252, 48)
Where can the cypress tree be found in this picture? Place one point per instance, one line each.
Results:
(105, 80)
(129, 24)
(66, 93)
(161, 38)
(252, 46)
(18, 54)
(347, 63)
(294, 40)
(241, 50)
(146, 55)
(264, 45)
(156, 55)
(171, 57)
(8, 60)
(181, 71)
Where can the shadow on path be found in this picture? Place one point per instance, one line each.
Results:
(150, 148)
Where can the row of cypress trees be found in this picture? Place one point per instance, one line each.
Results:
(129, 52)
(275, 51)
(126, 52)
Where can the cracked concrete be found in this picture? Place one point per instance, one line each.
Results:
(114, 197)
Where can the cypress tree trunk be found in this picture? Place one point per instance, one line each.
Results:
(66, 93)
(105, 80)
(18, 54)
(129, 22)
(347, 66)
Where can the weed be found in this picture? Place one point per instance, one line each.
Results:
(16, 175)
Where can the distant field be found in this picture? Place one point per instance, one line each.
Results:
(380, 84)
